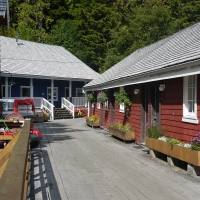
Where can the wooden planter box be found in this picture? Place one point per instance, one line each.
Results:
(41, 119)
(122, 135)
(185, 154)
(93, 123)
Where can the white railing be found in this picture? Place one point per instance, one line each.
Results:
(78, 101)
(68, 105)
(48, 106)
(39, 102)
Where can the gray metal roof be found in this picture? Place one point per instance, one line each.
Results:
(36, 60)
(3, 5)
(181, 47)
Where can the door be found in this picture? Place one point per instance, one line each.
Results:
(144, 114)
(155, 105)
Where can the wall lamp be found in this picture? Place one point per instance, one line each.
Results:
(115, 94)
(162, 87)
(136, 91)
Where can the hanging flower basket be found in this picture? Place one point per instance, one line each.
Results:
(102, 97)
(122, 98)
(91, 98)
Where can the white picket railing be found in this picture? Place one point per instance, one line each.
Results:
(78, 101)
(68, 105)
(49, 107)
(39, 102)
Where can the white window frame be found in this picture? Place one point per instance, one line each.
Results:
(55, 97)
(106, 105)
(98, 105)
(21, 87)
(190, 117)
(9, 90)
(122, 108)
(79, 89)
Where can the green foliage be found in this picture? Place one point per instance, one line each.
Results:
(100, 33)
(102, 97)
(93, 118)
(122, 97)
(119, 126)
(195, 142)
(91, 98)
(173, 141)
(154, 131)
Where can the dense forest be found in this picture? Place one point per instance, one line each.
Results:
(100, 32)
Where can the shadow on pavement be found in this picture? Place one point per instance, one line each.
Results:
(43, 182)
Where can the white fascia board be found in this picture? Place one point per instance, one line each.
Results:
(181, 70)
(42, 77)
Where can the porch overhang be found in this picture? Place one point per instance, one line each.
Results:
(169, 72)
(43, 77)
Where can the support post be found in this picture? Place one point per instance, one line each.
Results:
(31, 87)
(70, 91)
(52, 88)
(6, 92)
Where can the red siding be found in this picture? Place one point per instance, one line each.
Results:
(172, 111)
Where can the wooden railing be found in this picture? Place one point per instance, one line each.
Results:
(15, 165)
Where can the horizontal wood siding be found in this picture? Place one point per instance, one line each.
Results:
(41, 85)
(172, 111)
(95, 110)
(135, 111)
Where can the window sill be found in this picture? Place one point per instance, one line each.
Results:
(190, 120)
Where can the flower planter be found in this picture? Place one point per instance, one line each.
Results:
(122, 135)
(41, 119)
(93, 123)
(185, 154)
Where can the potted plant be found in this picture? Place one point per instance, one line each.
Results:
(93, 121)
(102, 97)
(122, 97)
(124, 132)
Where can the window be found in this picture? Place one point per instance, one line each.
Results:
(106, 105)
(79, 92)
(25, 91)
(122, 108)
(4, 91)
(55, 94)
(98, 105)
(190, 99)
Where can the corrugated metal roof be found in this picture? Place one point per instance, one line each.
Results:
(25, 58)
(181, 47)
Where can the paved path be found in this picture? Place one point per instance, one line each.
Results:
(77, 162)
